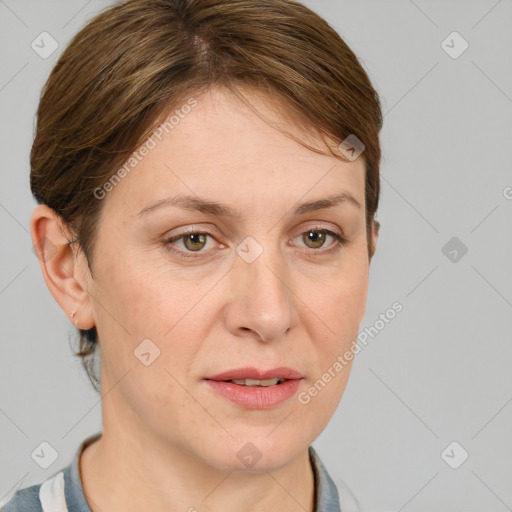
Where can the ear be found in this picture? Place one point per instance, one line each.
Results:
(64, 268)
(375, 237)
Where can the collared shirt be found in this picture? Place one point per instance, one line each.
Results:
(63, 491)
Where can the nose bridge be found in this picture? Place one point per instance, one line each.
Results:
(263, 301)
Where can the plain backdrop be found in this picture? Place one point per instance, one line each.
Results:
(434, 385)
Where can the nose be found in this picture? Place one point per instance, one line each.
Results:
(262, 302)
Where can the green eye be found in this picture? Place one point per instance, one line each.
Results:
(194, 241)
(315, 238)
(186, 244)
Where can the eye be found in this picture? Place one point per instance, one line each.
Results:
(315, 238)
(197, 241)
(192, 241)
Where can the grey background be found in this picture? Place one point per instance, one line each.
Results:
(438, 372)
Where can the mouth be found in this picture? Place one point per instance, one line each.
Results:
(256, 389)
(250, 376)
(256, 382)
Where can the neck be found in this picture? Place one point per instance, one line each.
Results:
(123, 472)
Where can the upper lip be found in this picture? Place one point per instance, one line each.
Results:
(255, 373)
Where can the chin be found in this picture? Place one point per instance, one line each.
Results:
(256, 454)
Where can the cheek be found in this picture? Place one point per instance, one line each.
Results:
(336, 314)
(145, 302)
(340, 302)
(337, 309)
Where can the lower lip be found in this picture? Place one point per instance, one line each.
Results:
(256, 397)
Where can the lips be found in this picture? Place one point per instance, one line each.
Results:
(256, 374)
(252, 388)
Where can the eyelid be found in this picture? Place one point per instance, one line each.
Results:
(322, 227)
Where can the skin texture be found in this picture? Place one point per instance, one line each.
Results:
(169, 442)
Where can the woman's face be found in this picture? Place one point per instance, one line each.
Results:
(262, 284)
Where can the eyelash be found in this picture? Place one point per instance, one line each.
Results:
(339, 242)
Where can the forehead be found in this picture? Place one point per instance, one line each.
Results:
(214, 145)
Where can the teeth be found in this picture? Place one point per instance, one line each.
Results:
(256, 382)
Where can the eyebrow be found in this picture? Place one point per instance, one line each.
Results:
(222, 210)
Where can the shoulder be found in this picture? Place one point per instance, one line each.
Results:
(333, 494)
(46, 496)
(24, 500)
(62, 491)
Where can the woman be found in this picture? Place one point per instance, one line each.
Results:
(207, 173)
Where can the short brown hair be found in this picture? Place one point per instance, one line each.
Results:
(135, 60)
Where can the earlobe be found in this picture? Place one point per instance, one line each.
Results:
(64, 269)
